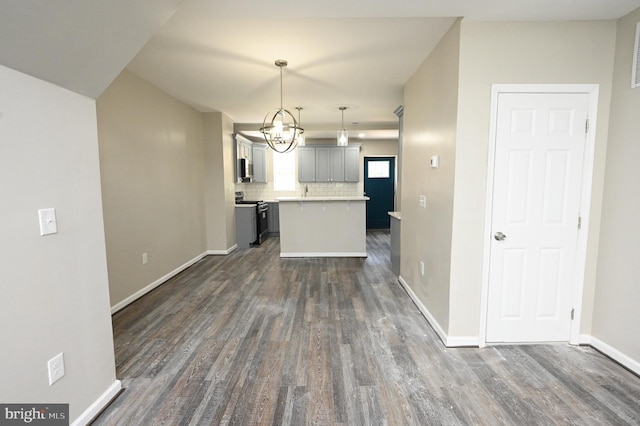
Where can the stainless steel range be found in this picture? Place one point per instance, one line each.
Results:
(262, 216)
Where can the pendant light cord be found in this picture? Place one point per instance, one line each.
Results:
(281, 88)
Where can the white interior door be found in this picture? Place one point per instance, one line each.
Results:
(539, 151)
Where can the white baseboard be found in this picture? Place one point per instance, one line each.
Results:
(462, 341)
(615, 354)
(455, 341)
(359, 254)
(436, 326)
(98, 405)
(138, 294)
(584, 339)
(222, 252)
(448, 341)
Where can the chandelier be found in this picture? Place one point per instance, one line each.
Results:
(343, 135)
(280, 128)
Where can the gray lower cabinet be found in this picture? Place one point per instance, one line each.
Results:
(273, 218)
(395, 243)
(246, 226)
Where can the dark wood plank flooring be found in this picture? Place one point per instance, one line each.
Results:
(252, 339)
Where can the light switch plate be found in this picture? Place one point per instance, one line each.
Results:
(56, 368)
(435, 162)
(48, 224)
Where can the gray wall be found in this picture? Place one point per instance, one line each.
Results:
(457, 78)
(429, 128)
(219, 161)
(616, 313)
(522, 52)
(152, 167)
(54, 288)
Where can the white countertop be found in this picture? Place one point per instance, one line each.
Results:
(251, 206)
(395, 215)
(327, 198)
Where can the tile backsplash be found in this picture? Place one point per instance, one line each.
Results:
(264, 191)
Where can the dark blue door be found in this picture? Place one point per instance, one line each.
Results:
(379, 185)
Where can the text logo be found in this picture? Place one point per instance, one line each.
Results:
(34, 414)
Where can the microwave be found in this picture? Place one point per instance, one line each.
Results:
(245, 170)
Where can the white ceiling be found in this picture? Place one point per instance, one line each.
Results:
(218, 55)
(81, 45)
(228, 64)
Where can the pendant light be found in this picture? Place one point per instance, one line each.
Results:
(301, 135)
(280, 128)
(343, 135)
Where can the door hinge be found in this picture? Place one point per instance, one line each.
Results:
(586, 126)
(579, 222)
(573, 311)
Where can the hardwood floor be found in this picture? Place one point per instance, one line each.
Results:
(252, 339)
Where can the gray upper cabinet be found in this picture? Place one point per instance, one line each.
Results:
(251, 161)
(325, 163)
(352, 163)
(259, 152)
(243, 147)
(330, 164)
(306, 163)
(337, 164)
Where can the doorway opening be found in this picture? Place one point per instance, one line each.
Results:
(380, 187)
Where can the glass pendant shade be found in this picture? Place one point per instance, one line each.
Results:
(343, 135)
(280, 128)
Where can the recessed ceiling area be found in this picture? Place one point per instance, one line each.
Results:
(228, 65)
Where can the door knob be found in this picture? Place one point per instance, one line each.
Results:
(500, 236)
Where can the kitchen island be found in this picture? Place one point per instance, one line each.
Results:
(323, 226)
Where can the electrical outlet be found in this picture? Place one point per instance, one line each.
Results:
(422, 268)
(145, 258)
(422, 201)
(56, 368)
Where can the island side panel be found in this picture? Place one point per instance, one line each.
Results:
(323, 228)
